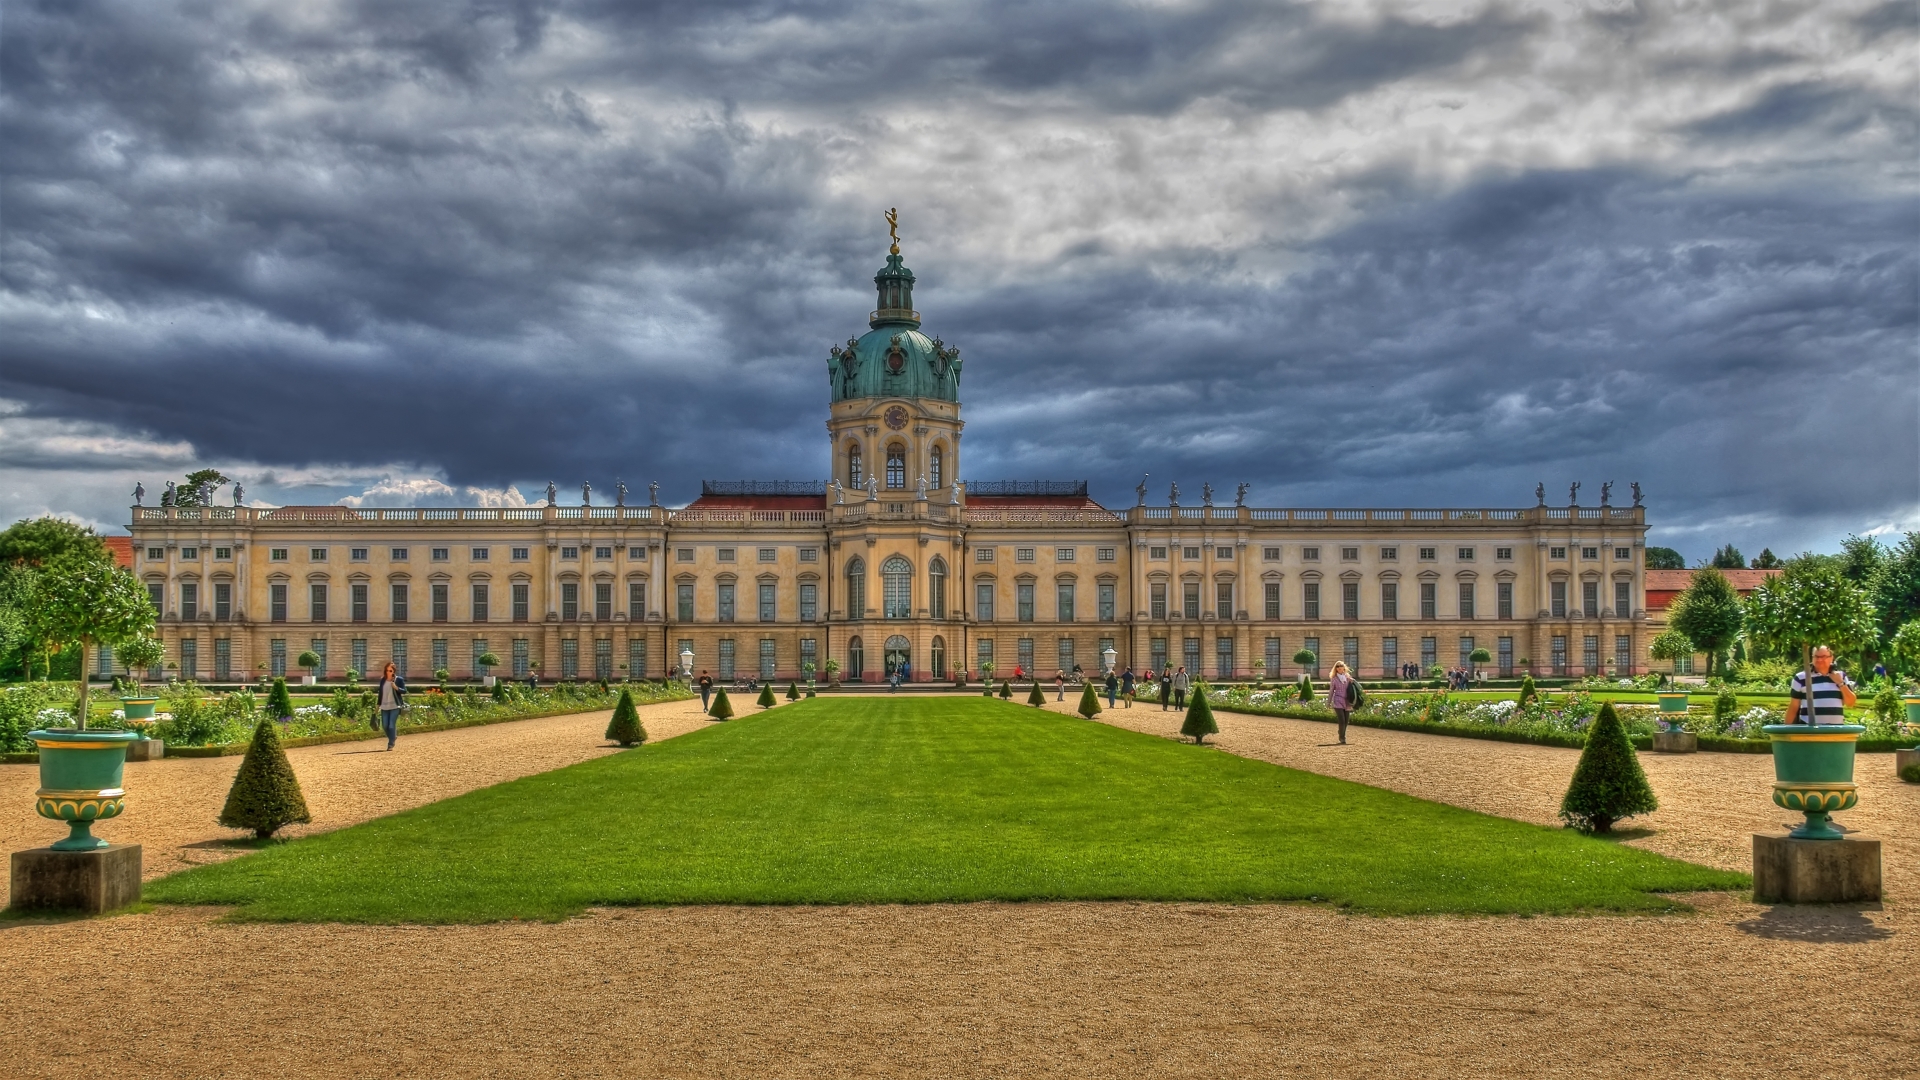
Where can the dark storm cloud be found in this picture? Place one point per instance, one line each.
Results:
(513, 241)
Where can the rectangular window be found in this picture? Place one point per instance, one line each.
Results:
(1156, 552)
(1349, 554)
(1466, 600)
(1464, 554)
(273, 554)
(478, 554)
(1063, 655)
(982, 654)
(1310, 600)
(1063, 601)
(1622, 599)
(1270, 554)
(357, 604)
(1466, 652)
(189, 659)
(399, 655)
(809, 655)
(1223, 657)
(1272, 657)
(1590, 653)
(522, 660)
(316, 601)
(222, 659)
(1559, 657)
(1428, 554)
(1312, 645)
(1623, 654)
(808, 554)
(222, 600)
(277, 657)
(396, 554)
(1272, 591)
(189, 553)
(1590, 599)
(636, 601)
(766, 658)
(1429, 602)
(1022, 554)
(1504, 656)
(1589, 554)
(1063, 554)
(1223, 600)
(1107, 604)
(769, 554)
(683, 602)
(1350, 652)
(1158, 652)
(723, 554)
(636, 553)
(603, 601)
(768, 605)
(603, 658)
(809, 601)
(1190, 655)
(1023, 600)
(156, 554)
(476, 649)
(1310, 554)
(1223, 553)
(397, 598)
(1620, 554)
(568, 551)
(440, 657)
(437, 596)
(1190, 599)
(1557, 553)
(1157, 599)
(521, 605)
(683, 554)
(316, 554)
(723, 602)
(479, 598)
(1389, 599)
(636, 658)
(519, 554)
(1429, 655)
(569, 601)
(1350, 600)
(1558, 591)
(190, 601)
(439, 555)
(1503, 596)
(276, 601)
(1103, 554)
(603, 552)
(1503, 554)
(1024, 652)
(357, 654)
(984, 554)
(1390, 657)
(1389, 554)
(569, 658)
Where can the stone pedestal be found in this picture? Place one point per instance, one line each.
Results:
(88, 881)
(1790, 871)
(146, 750)
(1675, 742)
(1904, 758)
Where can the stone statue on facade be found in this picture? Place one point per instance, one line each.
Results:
(553, 494)
(1573, 493)
(653, 493)
(873, 486)
(168, 497)
(922, 494)
(586, 493)
(619, 492)
(1173, 493)
(1636, 493)
(1540, 494)
(1240, 495)
(239, 494)
(1606, 493)
(1206, 494)
(139, 493)
(203, 493)
(954, 499)
(839, 494)
(1142, 489)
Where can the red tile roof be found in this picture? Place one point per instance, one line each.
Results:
(1664, 585)
(758, 502)
(1058, 502)
(122, 548)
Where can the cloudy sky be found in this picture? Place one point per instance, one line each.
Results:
(1353, 254)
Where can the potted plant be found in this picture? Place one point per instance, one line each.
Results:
(986, 678)
(308, 660)
(833, 674)
(441, 675)
(489, 661)
(1259, 672)
(140, 654)
(807, 670)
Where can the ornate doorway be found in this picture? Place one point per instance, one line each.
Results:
(899, 652)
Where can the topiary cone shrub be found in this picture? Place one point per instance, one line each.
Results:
(1006, 690)
(1199, 722)
(1035, 697)
(279, 702)
(1528, 692)
(625, 727)
(265, 795)
(1089, 706)
(1608, 784)
(793, 691)
(765, 700)
(722, 708)
(499, 689)
(1306, 689)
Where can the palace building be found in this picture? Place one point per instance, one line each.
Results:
(896, 559)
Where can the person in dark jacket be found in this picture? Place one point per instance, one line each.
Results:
(1126, 686)
(1113, 687)
(391, 696)
(1166, 688)
(706, 690)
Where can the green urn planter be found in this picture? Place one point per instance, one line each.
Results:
(1813, 773)
(138, 708)
(80, 776)
(1673, 708)
(1913, 709)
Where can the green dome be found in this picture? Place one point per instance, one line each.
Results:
(894, 359)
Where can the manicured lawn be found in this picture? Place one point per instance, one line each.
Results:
(942, 799)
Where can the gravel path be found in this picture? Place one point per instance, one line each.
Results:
(989, 990)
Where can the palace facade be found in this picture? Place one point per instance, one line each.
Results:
(895, 560)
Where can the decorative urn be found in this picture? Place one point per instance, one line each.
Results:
(80, 781)
(138, 708)
(1673, 708)
(1813, 773)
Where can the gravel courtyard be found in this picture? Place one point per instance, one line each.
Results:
(980, 990)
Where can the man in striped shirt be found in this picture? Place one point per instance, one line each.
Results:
(1832, 694)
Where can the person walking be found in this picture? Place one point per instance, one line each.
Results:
(1113, 687)
(1831, 696)
(1059, 685)
(706, 690)
(1166, 688)
(1340, 694)
(1180, 683)
(392, 696)
(1126, 685)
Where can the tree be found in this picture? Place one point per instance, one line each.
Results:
(1306, 659)
(1671, 646)
(1905, 646)
(1608, 784)
(188, 493)
(1728, 558)
(1861, 559)
(265, 795)
(1708, 612)
(1665, 558)
(1896, 591)
(625, 727)
(279, 702)
(1766, 560)
(1810, 604)
(1479, 656)
(36, 541)
(722, 708)
(86, 599)
(1089, 706)
(140, 655)
(308, 659)
(765, 700)
(1199, 722)
(1034, 696)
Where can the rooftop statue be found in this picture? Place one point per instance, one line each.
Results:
(1540, 494)
(653, 493)
(1240, 496)
(586, 493)
(239, 494)
(1206, 494)
(619, 492)
(167, 497)
(1173, 494)
(1606, 493)
(553, 494)
(893, 231)
(1142, 489)
(139, 493)
(1636, 493)
(1573, 494)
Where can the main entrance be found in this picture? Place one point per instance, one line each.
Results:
(898, 652)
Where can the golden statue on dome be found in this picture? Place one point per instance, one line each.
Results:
(893, 230)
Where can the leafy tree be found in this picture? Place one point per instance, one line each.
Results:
(722, 708)
(308, 659)
(279, 702)
(188, 493)
(1861, 559)
(1665, 558)
(1766, 560)
(766, 700)
(265, 795)
(1089, 706)
(1199, 722)
(625, 727)
(1905, 645)
(1479, 656)
(1035, 696)
(1305, 658)
(1896, 590)
(36, 541)
(1608, 784)
(1708, 612)
(488, 660)
(1671, 646)
(1728, 558)
(1807, 605)
(86, 600)
(140, 655)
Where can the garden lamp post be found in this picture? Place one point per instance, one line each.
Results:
(1107, 656)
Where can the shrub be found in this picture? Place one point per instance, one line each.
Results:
(1089, 706)
(722, 708)
(1199, 722)
(766, 696)
(279, 702)
(1034, 696)
(625, 727)
(1608, 784)
(265, 795)
(1305, 691)
(1888, 711)
(1911, 774)
(500, 690)
(1528, 691)
(1006, 690)
(1726, 709)
(793, 691)
(308, 660)
(1305, 658)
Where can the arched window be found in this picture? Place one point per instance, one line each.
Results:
(896, 466)
(937, 658)
(937, 588)
(857, 588)
(855, 478)
(856, 658)
(935, 460)
(896, 587)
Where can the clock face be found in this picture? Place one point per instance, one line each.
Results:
(897, 417)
